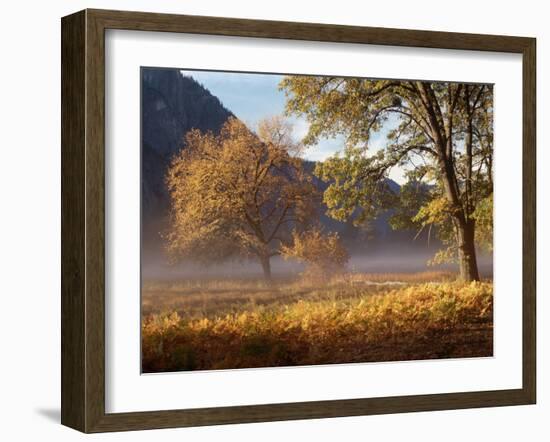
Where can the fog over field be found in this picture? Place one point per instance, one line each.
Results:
(398, 260)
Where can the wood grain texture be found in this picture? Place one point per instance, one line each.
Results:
(73, 129)
(144, 21)
(95, 222)
(83, 220)
(529, 220)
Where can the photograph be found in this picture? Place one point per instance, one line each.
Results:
(295, 220)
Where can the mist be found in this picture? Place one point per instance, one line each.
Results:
(155, 265)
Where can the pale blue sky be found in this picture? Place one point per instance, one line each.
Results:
(252, 97)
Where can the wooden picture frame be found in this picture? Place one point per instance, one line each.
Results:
(83, 220)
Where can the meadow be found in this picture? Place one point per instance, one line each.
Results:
(355, 317)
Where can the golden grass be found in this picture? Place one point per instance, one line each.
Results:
(196, 299)
(346, 322)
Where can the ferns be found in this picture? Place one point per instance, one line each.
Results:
(430, 320)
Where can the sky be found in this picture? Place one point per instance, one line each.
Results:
(253, 97)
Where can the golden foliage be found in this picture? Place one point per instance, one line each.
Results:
(436, 211)
(483, 216)
(434, 320)
(323, 253)
(199, 298)
(236, 193)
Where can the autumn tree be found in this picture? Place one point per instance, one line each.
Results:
(441, 131)
(237, 194)
(323, 253)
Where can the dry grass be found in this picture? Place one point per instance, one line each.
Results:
(351, 319)
(197, 299)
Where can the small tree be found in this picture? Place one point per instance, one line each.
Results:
(322, 253)
(237, 194)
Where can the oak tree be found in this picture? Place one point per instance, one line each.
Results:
(441, 131)
(238, 193)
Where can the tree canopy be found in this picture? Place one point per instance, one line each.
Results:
(237, 193)
(441, 132)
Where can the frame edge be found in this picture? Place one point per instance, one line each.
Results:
(73, 253)
(529, 220)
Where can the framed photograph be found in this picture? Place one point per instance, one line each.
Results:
(267, 221)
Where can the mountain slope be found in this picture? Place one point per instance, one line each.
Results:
(172, 104)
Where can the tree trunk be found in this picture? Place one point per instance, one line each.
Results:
(266, 267)
(465, 227)
(466, 251)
